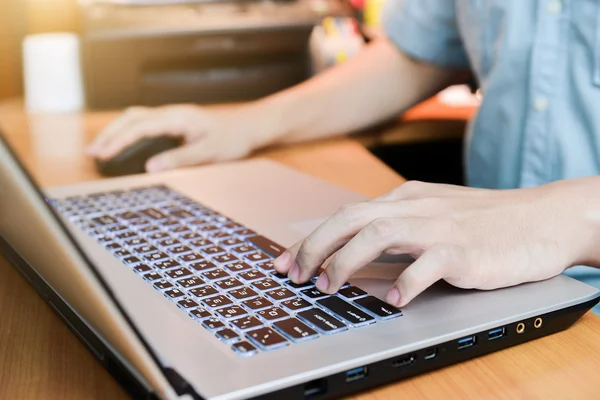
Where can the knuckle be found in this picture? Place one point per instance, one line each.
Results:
(412, 187)
(381, 227)
(349, 212)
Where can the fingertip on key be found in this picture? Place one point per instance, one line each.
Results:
(282, 263)
(393, 297)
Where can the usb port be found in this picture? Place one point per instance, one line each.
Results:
(404, 361)
(466, 342)
(496, 333)
(430, 354)
(356, 374)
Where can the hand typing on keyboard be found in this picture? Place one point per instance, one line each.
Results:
(471, 238)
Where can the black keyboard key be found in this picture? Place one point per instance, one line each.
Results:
(278, 276)
(153, 257)
(267, 339)
(300, 285)
(231, 242)
(170, 223)
(215, 275)
(243, 293)
(267, 245)
(378, 307)
(296, 304)
(238, 267)
(191, 257)
(201, 243)
(190, 282)
(186, 304)
(104, 239)
(352, 292)
(266, 266)
(126, 235)
(154, 214)
(213, 250)
(105, 220)
(167, 264)
(199, 313)
(136, 242)
(324, 322)
(225, 259)
(272, 314)
(162, 285)
(182, 214)
(198, 222)
(142, 268)
(131, 260)
(213, 324)
(204, 291)
(202, 266)
(244, 349)
(153, 276)
(191, 236)
(157, 235)
(245, 232)
(228, 284)
(228, 336)
(266, 284)
(116, 228)
(280, 294)
(139, 223)
(208, 228)
(174, 293)
(179, 250)
(346, 311)
(168, 242)
(243, 249)
(295, 330)
(257, 257)
(251, 275)
(257, 304)
(179, 230)
(314, 293)
(246, 323)
(232, 312)
(113, 246)
(232, 226)
(217, 301)
(128, 216)
(179, 273)
(220, 235)
(145, 249)
(122, 253)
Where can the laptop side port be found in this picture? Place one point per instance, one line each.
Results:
(537, 323)
(467, 342)
(404, 361)
(356, 374)
(497, 333)
(430, 354)
(315, 388)
(520, 327)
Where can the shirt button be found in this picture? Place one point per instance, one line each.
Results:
(540, 103)
(555, 6)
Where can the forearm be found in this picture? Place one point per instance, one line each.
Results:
(375, 85)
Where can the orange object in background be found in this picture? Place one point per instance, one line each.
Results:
(452, 103)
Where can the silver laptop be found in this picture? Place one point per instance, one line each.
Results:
(168, 280)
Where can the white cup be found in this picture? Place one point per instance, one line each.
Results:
(52, 73)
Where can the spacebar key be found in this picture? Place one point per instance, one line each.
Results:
(266, 245)
(346, 311)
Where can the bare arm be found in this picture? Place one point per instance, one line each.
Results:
(377, 84)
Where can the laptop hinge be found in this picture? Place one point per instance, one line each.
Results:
(180, 385)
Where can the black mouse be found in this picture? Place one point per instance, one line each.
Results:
(132, 160)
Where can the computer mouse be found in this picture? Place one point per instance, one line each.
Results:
(132, 160)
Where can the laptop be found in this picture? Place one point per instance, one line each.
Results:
(167, 279)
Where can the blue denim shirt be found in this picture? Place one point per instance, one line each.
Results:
(538, 65)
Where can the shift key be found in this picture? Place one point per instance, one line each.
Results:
(346, 311)
(378, 307)
(324, 322)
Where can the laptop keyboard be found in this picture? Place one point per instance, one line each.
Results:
(216, 270)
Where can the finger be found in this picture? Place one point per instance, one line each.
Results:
(192, 154)
(118, 125)
(151, 126)
(433, 265)
(383, 235)
(286, 262)
(337, 231)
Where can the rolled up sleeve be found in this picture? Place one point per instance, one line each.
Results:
(426, 30)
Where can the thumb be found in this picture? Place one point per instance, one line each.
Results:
(184, 156)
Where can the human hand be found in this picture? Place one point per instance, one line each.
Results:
(471, 238)
(209, 134)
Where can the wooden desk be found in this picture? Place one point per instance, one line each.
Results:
(41, 358)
